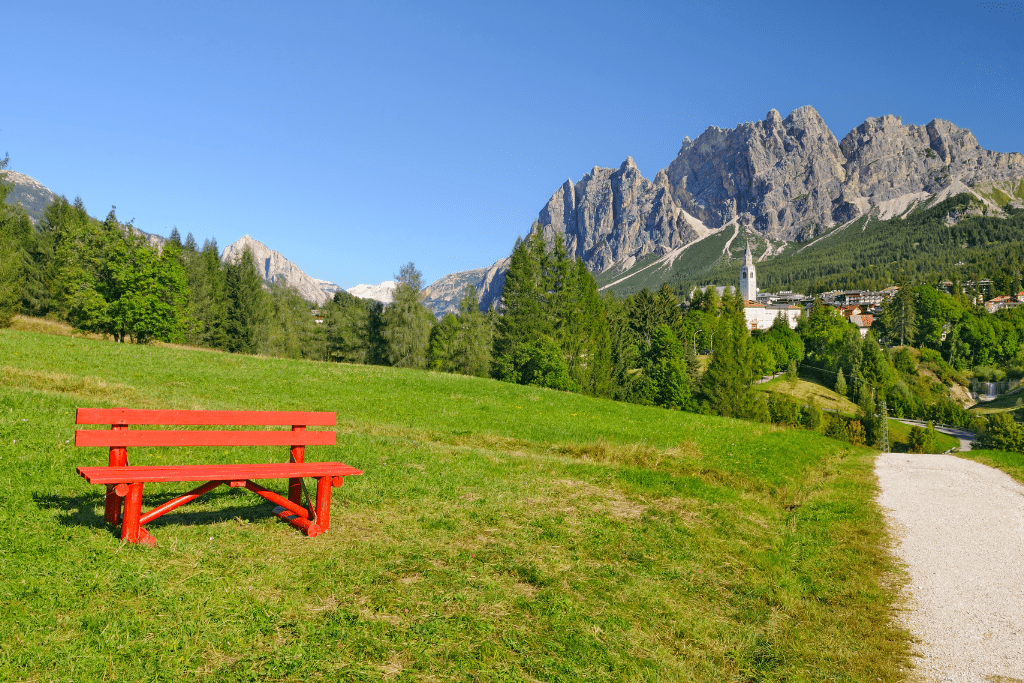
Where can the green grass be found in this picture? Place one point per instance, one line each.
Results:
(803, 390)
(499, 533)
(1011, 463)
(899, 439)
(1001, 404)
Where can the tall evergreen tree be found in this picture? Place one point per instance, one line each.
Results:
(248, 306)
(406, 322)
(523, 316)
(11, 262)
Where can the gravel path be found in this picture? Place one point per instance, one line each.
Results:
(960, 530)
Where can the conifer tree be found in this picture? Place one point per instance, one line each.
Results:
(248, 305)
(840, 385)
(406, 323)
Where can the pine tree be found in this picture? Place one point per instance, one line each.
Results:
(11, 265)
(840, 385)
(248, 305)
(523, 316)
(406, 323)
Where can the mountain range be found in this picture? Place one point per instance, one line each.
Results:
(780, 181)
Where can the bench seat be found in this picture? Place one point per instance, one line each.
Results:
(148, 474)
(125, 482)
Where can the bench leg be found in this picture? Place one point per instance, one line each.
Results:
(131, 529)
(112, 511)
(295, 484)
(118, 458)
(323, 502)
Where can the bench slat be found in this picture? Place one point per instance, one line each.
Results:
(147, 474)
(109, 438)
(132, 416)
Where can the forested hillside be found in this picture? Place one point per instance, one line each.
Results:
(555, 330)
(955, 240)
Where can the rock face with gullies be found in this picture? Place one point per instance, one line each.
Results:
(610, 215)
(885, 159)
(776, 175)
(788, 179)
(273, 267)
(445, 295)
(29, 192)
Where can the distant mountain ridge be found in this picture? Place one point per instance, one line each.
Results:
(274, 267)
(786, 179)
(30, 193)
(384, 292)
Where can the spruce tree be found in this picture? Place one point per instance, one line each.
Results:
(248, 305)
(523, 316)
(406, 323)
(840, 385)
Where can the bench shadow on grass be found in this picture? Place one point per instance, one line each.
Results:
(87, 509)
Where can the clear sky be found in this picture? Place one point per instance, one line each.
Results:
(354, 137)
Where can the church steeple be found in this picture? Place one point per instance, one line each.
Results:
(748, 277)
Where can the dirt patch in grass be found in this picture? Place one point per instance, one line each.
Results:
(92, 388)
(24, 323)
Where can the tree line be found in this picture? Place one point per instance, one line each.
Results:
(552, 329)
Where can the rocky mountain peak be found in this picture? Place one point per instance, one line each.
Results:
(274, 267)
(786, 178)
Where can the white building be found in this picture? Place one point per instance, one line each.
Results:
(760, 316)
(748, 277)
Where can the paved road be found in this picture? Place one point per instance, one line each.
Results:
(965, 436)
(959, 527)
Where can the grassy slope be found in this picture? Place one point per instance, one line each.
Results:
(499, 533)
(802, 390)
(1011, 463)
(899, 438)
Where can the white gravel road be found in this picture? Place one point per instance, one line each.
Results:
(959, 527)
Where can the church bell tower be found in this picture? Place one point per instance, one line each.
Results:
(748, 278)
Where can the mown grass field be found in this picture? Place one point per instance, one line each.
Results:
(499, 533)
(899, 439)
(1011, 463)
(804, 390)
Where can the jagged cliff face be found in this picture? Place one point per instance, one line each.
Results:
(788, 179)
(29, 192)
(445, 295)
(610, 215)
(273, 267)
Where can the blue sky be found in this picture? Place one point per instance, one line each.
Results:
(354, 137)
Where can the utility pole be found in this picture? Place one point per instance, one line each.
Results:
(884, 441)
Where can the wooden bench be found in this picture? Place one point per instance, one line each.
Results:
(124, 482)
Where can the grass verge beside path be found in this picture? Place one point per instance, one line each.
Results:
(499, 533)
(803, 390)
(899, 439)
(1011, 463)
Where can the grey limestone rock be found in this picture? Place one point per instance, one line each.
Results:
(274, 267)
(445, 295)
(788, 179)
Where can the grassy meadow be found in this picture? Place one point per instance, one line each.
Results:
(803, 390)
(1011, 463)
(499, 533)
(899, 439)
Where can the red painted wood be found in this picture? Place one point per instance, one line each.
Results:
(118, 458)
(163, 437)
(131, 416)
(286, 470)
(130, 526)
(323, 502)
(276, 498)
(178, 502)
(298, 455)
(310, 528)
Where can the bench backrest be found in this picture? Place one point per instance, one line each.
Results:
(120, 436)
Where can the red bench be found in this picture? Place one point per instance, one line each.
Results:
(124, 482)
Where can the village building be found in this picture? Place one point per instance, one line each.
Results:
(761, 316)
